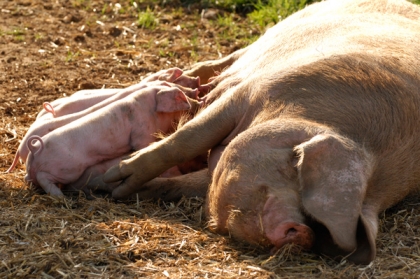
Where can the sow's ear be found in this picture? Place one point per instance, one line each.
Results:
(333, 174)
(171, 100)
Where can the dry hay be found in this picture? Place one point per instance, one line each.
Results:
(42, 237)
(80, 238)
(76, 237)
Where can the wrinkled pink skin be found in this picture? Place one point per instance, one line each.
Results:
(84, 99)
(313, 131)
(90, 176)
(85, 102)
(110, 132)
(79, 101)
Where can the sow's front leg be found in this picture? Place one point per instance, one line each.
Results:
(196, 137)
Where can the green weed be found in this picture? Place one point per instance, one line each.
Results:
(16, 32)
(71, 56)
(38, 36)
(225, 20)
(273, 11)
(105, 9)
(194, 40)
(178, 12)
(148, 44)
(81, 4)
(47, 64)
(194, 56)
(147, 19)
(169, 54)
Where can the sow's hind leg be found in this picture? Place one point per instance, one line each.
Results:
(194, 184)
(208, 69)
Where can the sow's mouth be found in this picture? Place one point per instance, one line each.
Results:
(323, 241)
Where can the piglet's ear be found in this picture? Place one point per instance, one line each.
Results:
(333, 174)
(171, 100)
(171, 74)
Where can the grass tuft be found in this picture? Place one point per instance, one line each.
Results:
(147, 19)
(272, 11)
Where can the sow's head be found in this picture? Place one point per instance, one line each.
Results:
(292, 183)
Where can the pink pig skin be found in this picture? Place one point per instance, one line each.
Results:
(81, 103)
(84, 99)
(42, 128)
(107, 133)
(84, 102)
(92, 175)
(76, 102)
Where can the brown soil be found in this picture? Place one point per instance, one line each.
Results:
(50, 49)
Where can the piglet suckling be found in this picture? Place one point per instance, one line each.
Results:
(82, 103)
(61, 156)
(313, 131)
(84, 99)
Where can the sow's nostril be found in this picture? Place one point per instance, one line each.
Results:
(291, 232)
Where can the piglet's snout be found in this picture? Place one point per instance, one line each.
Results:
(292, 232)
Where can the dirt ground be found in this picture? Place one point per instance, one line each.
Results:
(50, 49)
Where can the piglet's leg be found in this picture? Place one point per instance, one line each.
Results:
(45, 181)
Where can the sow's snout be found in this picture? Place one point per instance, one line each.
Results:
(283, 223)
(291, 232)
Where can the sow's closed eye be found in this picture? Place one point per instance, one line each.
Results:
(289, 170)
